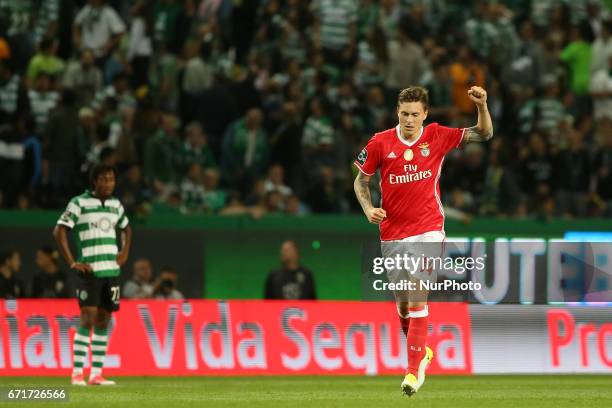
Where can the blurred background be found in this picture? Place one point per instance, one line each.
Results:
(234, 125)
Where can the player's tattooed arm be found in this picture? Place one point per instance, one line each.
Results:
(362, 191)
(483, 130)
(476, 134)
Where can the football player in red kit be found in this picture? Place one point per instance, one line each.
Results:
(411, 217)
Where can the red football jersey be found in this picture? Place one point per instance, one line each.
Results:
(410, 178)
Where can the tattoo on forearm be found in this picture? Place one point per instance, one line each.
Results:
(476, 134)
(362, 191)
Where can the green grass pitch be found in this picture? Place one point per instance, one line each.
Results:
(544, 391)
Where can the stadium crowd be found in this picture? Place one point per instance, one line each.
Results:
(50, 280)
(260, 106)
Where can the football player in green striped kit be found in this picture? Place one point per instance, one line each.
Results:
(93, 218)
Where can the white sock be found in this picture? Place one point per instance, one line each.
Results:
(79, 350)
(99, 342)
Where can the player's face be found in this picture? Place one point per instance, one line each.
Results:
(288, 253)
(105, 184)
(15, 262)
(42, 259)
(142, 269)
(411, 116)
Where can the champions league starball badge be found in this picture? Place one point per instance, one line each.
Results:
(408, 155)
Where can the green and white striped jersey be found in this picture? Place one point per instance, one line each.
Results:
(94, 225)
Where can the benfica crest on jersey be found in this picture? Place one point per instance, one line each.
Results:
(424, 149)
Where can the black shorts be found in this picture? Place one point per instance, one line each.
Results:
(98, 292)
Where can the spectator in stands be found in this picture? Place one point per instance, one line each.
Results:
(389, 14)
(275, 60)
(13, 94)
(43, 99)
(480, 31)
(292, 280)
(257, 194)
(461, 203)
(407, 63)
(86, 135)
(50, 281)
(536, 167)
(543, 112)
(524, 72)
(273, 203)
(5, 49)
(11, 286)
(23, 32)
(506, 40)
(501, 192)
(24, 201)
(133, 192)
(192, 190)
(335, 29)
(318, 139)
(351, 136)
(601, 92)
(602, 47)
(59, 144)
(84, 77)
(166, 285)
(286, 144)
(572, 174)
(198, 75)
(127, 150)
(140, 46)
(118, 90)
(214, 197)
(46, 60)
(12, 160)
(344, 97)
(467, 176)
(326, 196)
(293, 206)
(98, 27)
(109, 114)
(577, 56)
(195, 148)
(377, 113)
(275, 181)
(245, 150)
(466, 71)
(372, 58)
(165, 14)
(96, 146)
(440, 95)
(140, 286)
(602, 172)
(160, 157)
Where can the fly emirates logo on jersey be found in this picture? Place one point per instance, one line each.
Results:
(412, 174)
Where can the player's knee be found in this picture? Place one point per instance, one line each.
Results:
(101, 324)
(102, 319)
(419, 303)
(86, 324)
(87, 319)
(402, 309)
